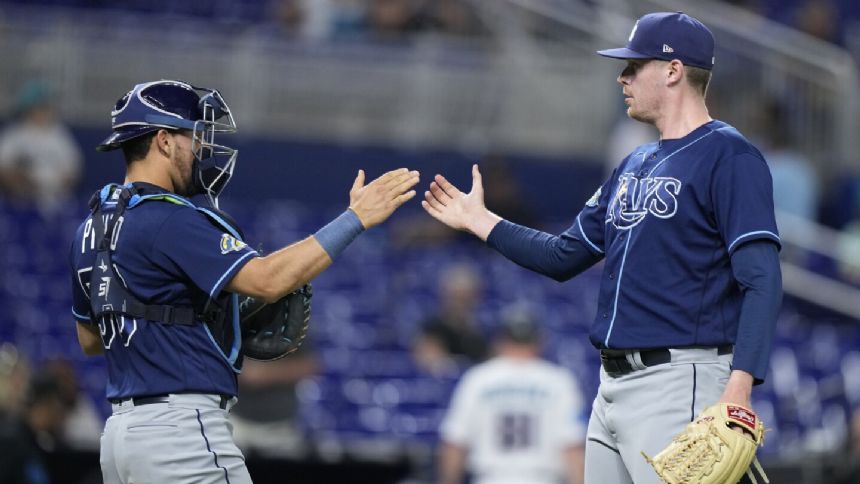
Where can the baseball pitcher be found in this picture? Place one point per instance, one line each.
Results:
(691, 284)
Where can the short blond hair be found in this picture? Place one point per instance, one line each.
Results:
(698, 78)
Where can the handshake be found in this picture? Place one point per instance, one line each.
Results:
(375, 202)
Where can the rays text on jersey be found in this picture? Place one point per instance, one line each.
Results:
(638, 197)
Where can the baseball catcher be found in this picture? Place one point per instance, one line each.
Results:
(272, 331)
(711, 451)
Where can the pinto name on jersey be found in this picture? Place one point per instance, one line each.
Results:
(638, 197)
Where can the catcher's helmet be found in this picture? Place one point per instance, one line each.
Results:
(169, 104)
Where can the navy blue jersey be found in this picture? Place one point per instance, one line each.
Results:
(667, 222)
(167, 252)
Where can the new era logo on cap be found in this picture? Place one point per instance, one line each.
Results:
(667, 36)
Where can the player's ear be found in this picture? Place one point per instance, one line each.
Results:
(161, 142)
(674, 72)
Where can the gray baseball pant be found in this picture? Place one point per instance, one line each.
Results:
(644, 409)
(187, 439)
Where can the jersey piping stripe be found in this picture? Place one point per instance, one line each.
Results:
(80, 316)
(209, 448)
(585, 237)
(629, 236)
(233, 352)
(748, 234)
(221, 279)
(617, 291)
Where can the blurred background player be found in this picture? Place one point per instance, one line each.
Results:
(267, 420)
(452, 338)
(28, 438)
(514, 419)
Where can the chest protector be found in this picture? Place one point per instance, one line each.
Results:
(110, 296)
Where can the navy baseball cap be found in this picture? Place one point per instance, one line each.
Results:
(667, 36)
(150, 106)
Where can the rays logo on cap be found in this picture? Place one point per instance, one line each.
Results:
(231, 244)
(633, 32)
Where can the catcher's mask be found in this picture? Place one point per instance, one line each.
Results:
(178, 105)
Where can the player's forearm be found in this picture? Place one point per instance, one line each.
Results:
(738, 389)
(90, 340)
(559, 257)
(452, 461)
(274, 276)
(756, 268)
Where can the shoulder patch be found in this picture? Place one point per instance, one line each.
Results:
(592, 202)
(231, 244)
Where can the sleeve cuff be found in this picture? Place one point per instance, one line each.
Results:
(499, 231)
(81, 318)
(228, 275)
(755, 235)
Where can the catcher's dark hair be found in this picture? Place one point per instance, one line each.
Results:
(137, 148)
(698, 78)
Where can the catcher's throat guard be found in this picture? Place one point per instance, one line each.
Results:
(272, 331)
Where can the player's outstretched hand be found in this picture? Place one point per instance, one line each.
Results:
(458, 210)
(376, 201)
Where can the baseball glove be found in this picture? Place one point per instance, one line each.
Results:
(272, 331)
(710, 451)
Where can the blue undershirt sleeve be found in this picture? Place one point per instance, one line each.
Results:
(756, 268)
(557, 256)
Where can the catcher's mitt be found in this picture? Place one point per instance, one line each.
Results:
(272, 331)
(710, 451)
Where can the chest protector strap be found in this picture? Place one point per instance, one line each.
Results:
(108, 292)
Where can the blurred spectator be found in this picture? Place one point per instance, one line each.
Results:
(83, 425)
(795, 181)
(14, 378)
(392, 19)
(39, 160)
(841, 202)
(848, 250)
(264, 419)
(312, 20)
(504, 195)
(451, 337)
(449, 16)
(820, 19)
(847, 463)
(515, 418)
(26, 440)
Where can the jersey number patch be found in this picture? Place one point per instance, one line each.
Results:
(116, 328)
(515, 431)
